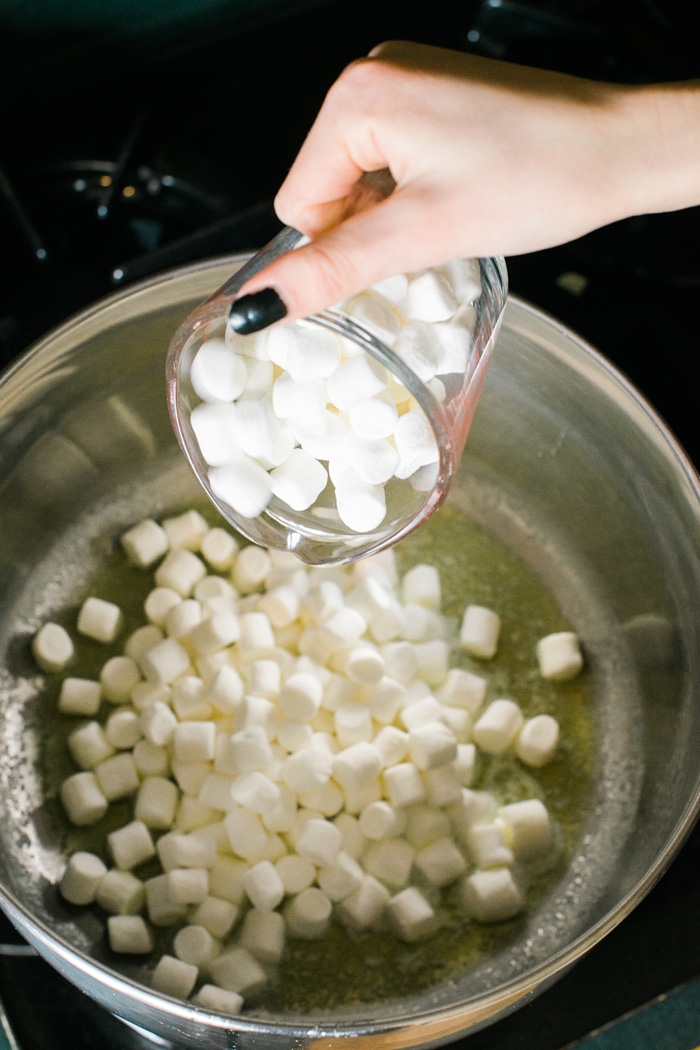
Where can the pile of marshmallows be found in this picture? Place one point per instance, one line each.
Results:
(284, 410)
(298, 747)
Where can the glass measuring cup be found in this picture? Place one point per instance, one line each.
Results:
(318, 535)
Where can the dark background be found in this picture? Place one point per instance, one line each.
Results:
(139, 135)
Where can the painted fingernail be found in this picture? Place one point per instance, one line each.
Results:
(251, 313)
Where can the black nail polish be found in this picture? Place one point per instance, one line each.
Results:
(253, 312)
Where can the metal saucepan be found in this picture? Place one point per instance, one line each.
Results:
(565, 464)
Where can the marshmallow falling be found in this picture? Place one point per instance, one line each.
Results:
(298, 748)
(286, 413)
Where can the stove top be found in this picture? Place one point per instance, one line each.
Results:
(127, 173)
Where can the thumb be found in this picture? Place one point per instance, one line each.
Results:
(368, 246)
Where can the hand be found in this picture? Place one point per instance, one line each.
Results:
(485, 158)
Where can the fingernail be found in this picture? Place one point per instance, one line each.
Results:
(253, 312)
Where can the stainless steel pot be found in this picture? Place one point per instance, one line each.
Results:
(565, 463)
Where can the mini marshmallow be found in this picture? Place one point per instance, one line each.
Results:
(158, 723)
(421, 712)
(118, 677)
(129, 935)
(174, 977)
(320, 436)
(488, 845)
(464, 763)
(361, 505)
(226, 879)
(218, 548)
(82, 877)
(311, 352)
(182, 619)
(400, 660)
(431, 746)
(165, 662)
(238, 971)
(479, 631)
(189, 699)
(492, 896)
(263, 934)
(161, 908)
(218, 1000)
(498, 726)
(415, 443)
(442, 785)
(145, 542)
(259, 379)
(280, 605)
(319, 842)
(356, 766)
(463, 689)
(89, 745)
(300, 696)
(263, 886)
(429, 297)
(159, 603)
(364, 907)
(390, 861)
(194, 742)
(216, 915)
(392, 745)
(99, 619)
(374, 460)
(433, 659)
(141, 640)
(146, 693)
(392, 288)
(150, 759)
(375, 313)
(188, 885)
(528, 827)
(440, 862)
(214, 428)
(131, 845)
(256, 639)
(537, 741)
(452, 341)
(246, 834)
(79, 696)
(260, 434)
(424, 824)
(83, 799)
(250, 750)
(298, 480)
(190, 776)
(123, 728)
(216, 632)
(256, 792)
(186, 530)
(225, 691)
(297, 873)
(379, 820)
(356, 380)
(308, 914)
(404, 784)
(180, 571)
(120, 893)
(374, 418)
(176, 850)
(298, 400)
(217, 374)
(156, 802)
(242, 484)
(559, 656)
(118, 776)
(412, 916)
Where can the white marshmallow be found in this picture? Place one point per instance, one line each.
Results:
(442, 785)
(180, 570)
(415, 443)
(440, 862)
(225, 691)
(256, 639)
(374, 418)
(82, 877)
(260, 434)
(375, 313)
(425, 824)
(421, 586)
(529, 828)
(431, 745)
(356, 766)
(319, 842)
(364, 907)
(250, 749)
(452, 340)
(362, 663)
(120, 893)
(118, 776)
(159, 603)
(429, 297)
(374, 460)
(83, 799)
(356, 380)
(404, 784)
(215, 793)
(158, 723)
(255, 792)
(99, 619)
(463, 689)
(392, 288)
(246, 834)
(129, 935)
(145, 542)
(299, 480)
(384, 699)
(131, 845)
(280, 605)
(190, 776)
(79, 696)
(177, 850)
(219, 548)
(226, 879)
(215, 430)
(479, 631)
(308, 914)
(156, 802)
(260, 377)
(353, 724)
(297, 873)
(537, 741)
(161, 908)
(123, 728)
(186, 530)
(141, 640)
(488, 845)
(354, 842)
(88, 745)
(416, 348)
(218, 373)
(218, 1000)
(151, 759)
(173, 977)
(188, 885)
(559, 656)
(392, 745)
(242, 484)
(189, 700)
(412, 916)
(498, 727)
(216, 915)
(238, 971)
(464, 763)
(263, 886)
(298, 400)
(118, 677)
(182, 619)
(300, 696)
(216, 632)
(341, 878)
(321, 435)
(361, 505)
(421, 712)
(194, 742)
(379, 820)
(390, 861)
(492, 896)
(263, 934)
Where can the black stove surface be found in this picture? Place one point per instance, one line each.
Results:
(111, 173)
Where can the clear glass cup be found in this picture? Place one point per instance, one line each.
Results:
(317, 535)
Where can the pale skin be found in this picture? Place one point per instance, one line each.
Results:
(486, 158)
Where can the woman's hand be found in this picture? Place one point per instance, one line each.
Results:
(473, 158)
